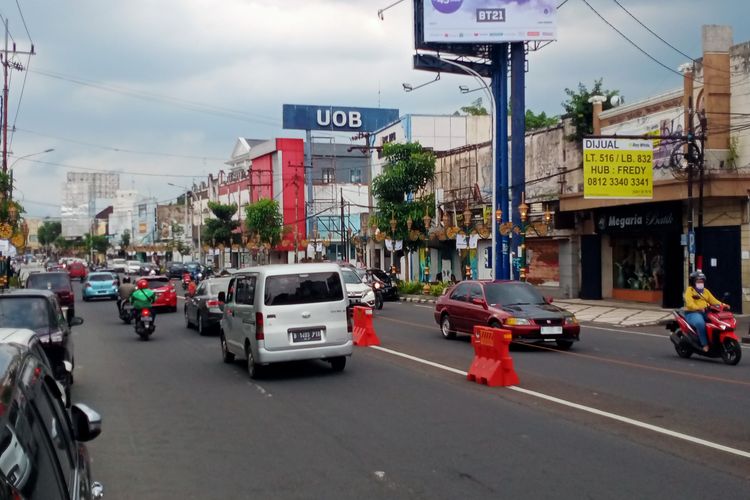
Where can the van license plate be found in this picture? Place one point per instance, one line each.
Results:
(306, 335)
(552, 330)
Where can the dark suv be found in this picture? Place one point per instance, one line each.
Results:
(42, 455)
(58, 282)
(40, 312)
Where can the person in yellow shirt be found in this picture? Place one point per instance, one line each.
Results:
(697, 300)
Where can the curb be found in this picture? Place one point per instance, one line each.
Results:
(418, 300)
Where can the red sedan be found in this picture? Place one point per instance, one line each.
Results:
(77, 270)
(514, 305)
(166, 295)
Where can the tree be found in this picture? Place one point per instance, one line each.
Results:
(408, 169)
(48, 232)
(98, 243)
(264, 221)
(581, 111)
(534, 121)
(125, 239)
(218, 229)
(475, 108)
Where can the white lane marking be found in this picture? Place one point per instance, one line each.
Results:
(261, 390)
(425, 307)
(631, 332)
(595, 411)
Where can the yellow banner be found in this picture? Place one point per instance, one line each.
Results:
(618, 168)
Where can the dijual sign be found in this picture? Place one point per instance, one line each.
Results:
(618, 168)
(489, 21)
(336, 118)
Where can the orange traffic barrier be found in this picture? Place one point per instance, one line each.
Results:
(364, 332)
(492, 363)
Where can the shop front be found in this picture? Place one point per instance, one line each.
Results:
(641, 252)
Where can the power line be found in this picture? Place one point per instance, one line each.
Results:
(120, 150)
(631, 42)
(24, 22)
(123, 172)
(153, 97)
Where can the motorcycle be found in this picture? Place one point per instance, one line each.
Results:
(377, 287)
(144, 324)
(722, 340)
(126, 312)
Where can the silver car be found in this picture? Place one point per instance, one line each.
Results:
(286, 312)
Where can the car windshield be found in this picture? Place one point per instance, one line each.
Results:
(52, 281)
(158, 283)
(134, 262)
(101, 277)
(309, 288)
(33, 313)
(508, 294)
(350, 277)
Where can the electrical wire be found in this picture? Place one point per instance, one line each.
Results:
(20, 12)
(122, 172)
(120, 150)
(154, 97)
(631, 42)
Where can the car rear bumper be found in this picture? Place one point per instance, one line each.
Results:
(301, 353)
(92, 293)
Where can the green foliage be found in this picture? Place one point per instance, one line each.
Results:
(534, 121)
(581, 111)
(408, 169)
(48, 232)
(125, 239)
(63, 244)
(100, 244)
(410, 287)
(437, 289)
(218, 230)
(263, 218)
(475, 108)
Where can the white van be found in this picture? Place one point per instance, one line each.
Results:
(286, 312)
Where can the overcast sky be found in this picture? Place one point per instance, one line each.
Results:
(193, 75)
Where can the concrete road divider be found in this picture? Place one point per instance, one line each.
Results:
(492, 363)
(364, 332)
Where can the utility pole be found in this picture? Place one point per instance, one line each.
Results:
(690, 152)
(7, 66)
(701, 167)
(344, 248)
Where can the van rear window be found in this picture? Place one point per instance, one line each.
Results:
(307, 288)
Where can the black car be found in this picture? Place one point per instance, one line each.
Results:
(390, 292)
(40, 312)
(42, 455)
(202, 309)
(175, 269)
(147, 267)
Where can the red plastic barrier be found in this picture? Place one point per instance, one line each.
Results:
(364, 332)
(492, 363)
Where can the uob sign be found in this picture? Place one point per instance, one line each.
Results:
(337, 118)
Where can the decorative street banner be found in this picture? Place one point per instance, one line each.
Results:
(618, 168)
(336, 118)
(489, 21)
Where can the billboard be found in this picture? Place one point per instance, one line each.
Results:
(336, 118)
(489, 21)
(618, 168)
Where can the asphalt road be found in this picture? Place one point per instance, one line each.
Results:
(178, 423)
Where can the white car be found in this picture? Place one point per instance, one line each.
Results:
(119, 265)
(359, 292)
(134, 267)
(286, 312)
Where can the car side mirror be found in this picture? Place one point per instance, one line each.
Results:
(479, 302)
(75, 321)
(87, 424)
(548, 300)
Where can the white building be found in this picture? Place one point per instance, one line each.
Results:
(121, 219)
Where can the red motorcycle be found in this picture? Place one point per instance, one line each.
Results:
(722, 340)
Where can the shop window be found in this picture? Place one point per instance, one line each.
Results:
(638, 263)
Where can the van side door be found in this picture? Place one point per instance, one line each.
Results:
(228, 318)
(245, 308)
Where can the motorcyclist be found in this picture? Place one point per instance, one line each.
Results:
(143, 297)
(124, 291)
(697, 301)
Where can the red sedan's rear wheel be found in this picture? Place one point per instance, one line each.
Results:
(446, 328)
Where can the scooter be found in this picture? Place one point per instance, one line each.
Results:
(377, 287)
(722, 340)
(144, 323)
(126, 312)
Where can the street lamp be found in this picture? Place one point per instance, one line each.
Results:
(32, 154)
(523, 210)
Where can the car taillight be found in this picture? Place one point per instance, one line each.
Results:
(259, 330)
(212, 303)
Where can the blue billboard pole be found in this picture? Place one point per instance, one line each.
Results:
(518, 135)
(500, 91)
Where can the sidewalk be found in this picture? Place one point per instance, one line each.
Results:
(611, 312)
